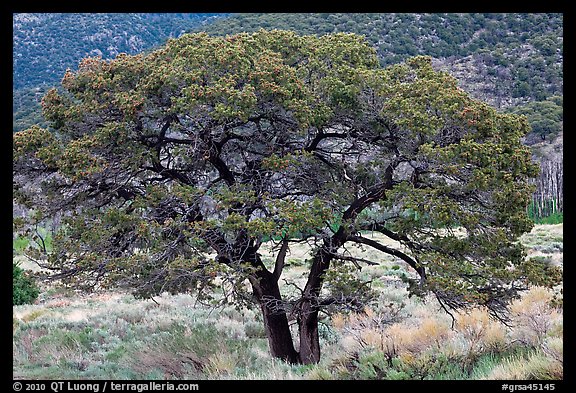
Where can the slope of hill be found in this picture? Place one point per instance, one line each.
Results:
(44, 45)
(504, 59)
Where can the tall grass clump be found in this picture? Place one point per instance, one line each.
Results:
(534, 366)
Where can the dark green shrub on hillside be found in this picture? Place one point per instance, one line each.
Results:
(24, 289)
(545, 117)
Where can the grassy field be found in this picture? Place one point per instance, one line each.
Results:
(68, 335)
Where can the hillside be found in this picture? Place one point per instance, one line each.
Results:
(45, 45)
(504, 59)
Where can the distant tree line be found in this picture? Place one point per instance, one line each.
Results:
(548, 200)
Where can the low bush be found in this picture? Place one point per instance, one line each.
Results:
(24, 288)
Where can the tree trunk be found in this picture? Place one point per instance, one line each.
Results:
(275, 320)
(309, 339)
(308, 313)
(279, 336)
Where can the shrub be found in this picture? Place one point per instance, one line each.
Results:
(372, 365)
(480, 332)
(254, 330)
(553, 347)
(24, 288)
(534, 316)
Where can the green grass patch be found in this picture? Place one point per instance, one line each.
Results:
(548, 214)
(556, 218)
(20, 244)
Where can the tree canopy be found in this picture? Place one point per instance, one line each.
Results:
(174, 167)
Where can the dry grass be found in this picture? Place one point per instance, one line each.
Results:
(534, 316)
(534, 367)
(114, 336)
(171, 365)
(380, 330)
(221, 364)
(480, 331)
(545, 241)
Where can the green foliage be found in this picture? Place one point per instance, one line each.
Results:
(344, 282)
(498, 41)
(541, 272)
(555, 218)
(20, 244)
(24, 288)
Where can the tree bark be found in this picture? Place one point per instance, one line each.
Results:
(308, 312)
(279, 335)
(309, 306)
(276, 324)
(308, 330)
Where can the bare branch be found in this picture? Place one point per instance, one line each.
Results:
(280, 259)
(445, 310)
(355, 260)
(372, 243)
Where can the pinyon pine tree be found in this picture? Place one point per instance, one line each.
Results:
(172, 168)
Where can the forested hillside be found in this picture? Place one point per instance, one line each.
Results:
(505, 59)
(45, 45)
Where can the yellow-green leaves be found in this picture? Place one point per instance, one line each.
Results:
(289, 162)
(33, 139)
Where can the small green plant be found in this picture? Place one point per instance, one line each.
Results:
(19, 244)
(24, 288)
